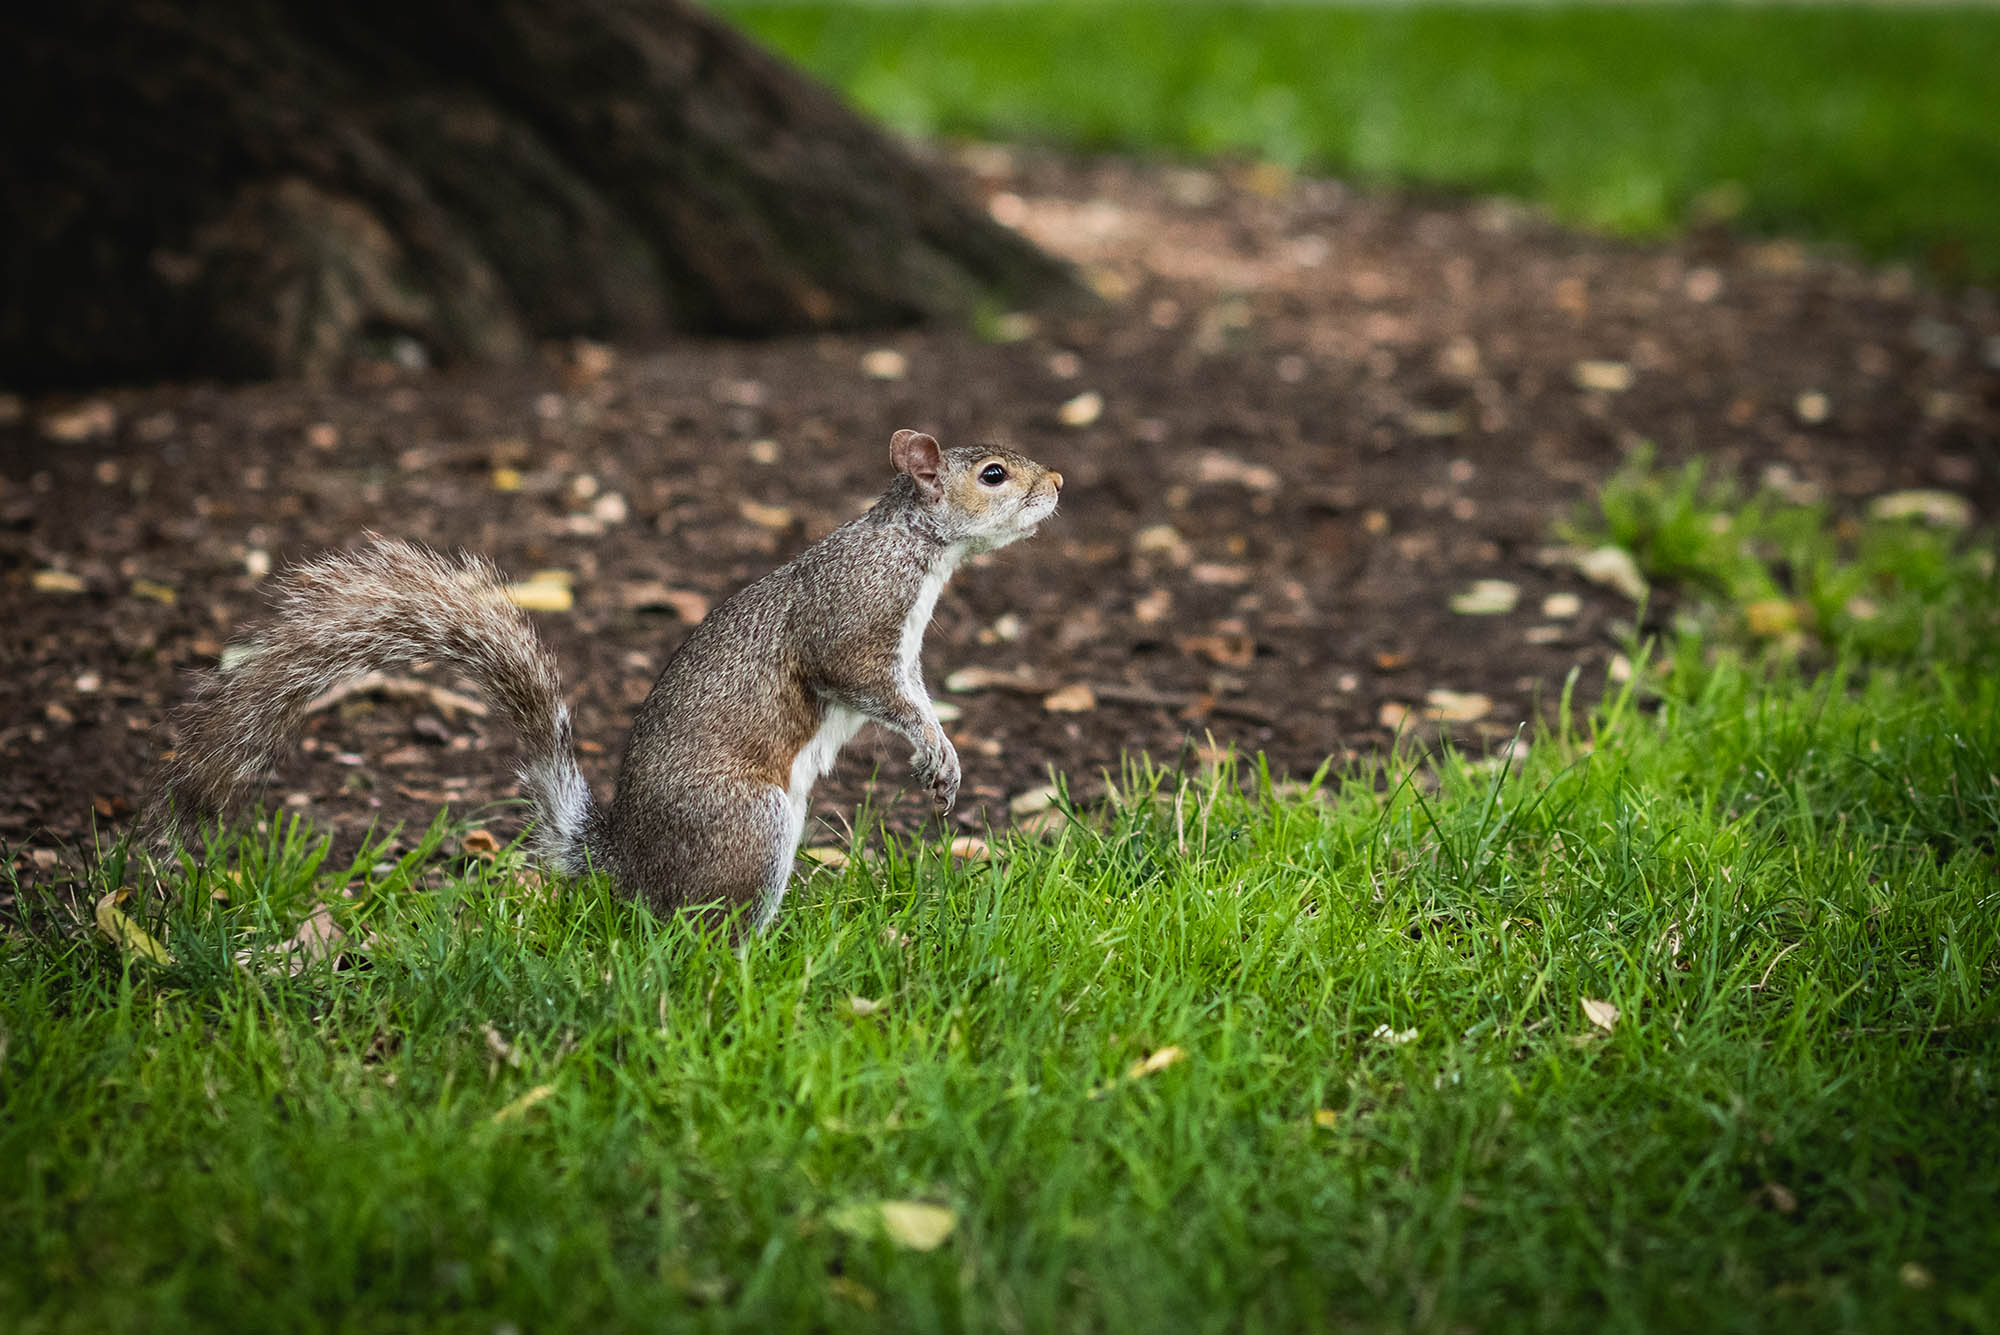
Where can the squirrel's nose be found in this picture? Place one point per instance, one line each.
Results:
(1055, 480)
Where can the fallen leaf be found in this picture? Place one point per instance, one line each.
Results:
(90, 420)
(831, 858)
(971, 679)
(1769, 618)
(1152, 608)
(775, 517)
(971, 848)
(1158, 1061)
(651, 595)
(1602, 376)
(1434, 423)
(1042, 823)
(1487, 597)
(1446, 706)
(1215, 467)
(915, 1225)
(1033, 800)
(1781, 1198)
(126, 934)
(1230, 649)
(1943, 508)
(1614, 568)
(1325, 1118)
(1162, 540)
(517, 1107)
(1600, 1013)
(884, 364)
(1082, 410)
(56, 581)
(1073, 699)
(863, 1005)
(480, 844)
(542, 593)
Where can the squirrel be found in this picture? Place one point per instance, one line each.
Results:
(721, 759)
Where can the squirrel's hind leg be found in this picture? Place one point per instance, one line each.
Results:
(728, 852)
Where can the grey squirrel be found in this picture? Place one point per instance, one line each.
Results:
(722, 756)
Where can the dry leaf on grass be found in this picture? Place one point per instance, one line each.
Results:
(518, 1106)
(916, 1225)
(1158, 1061)
(1600, 1013)
(971, 848)
(863, 1005)
(126, 934)
(1943, 508)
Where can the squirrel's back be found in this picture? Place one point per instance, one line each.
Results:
(368, 610)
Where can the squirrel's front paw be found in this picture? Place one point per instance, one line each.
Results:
(943, 780)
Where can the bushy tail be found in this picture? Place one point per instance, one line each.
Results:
(352, 613)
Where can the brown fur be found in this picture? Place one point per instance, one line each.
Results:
(750, 709)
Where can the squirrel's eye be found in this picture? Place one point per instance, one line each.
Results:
(993, 475)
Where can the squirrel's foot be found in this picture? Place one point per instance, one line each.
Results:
(941, 779)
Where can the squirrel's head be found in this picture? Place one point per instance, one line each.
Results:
(979, 495)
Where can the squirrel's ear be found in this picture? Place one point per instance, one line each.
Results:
(918, 455)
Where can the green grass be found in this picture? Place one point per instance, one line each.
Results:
(543, 1110)
(1869, 126)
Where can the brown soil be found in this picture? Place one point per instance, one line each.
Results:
(1347, 407)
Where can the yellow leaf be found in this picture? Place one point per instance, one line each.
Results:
(775, 517)
(1600, 1013)
(1325, 1118)
(917, 1225)
(525, 1102)
(56, 581)
(542, 595)
(1159, 1061)
(127, 935)
(1771, 617)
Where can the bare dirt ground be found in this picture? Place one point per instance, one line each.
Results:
(1302, 421)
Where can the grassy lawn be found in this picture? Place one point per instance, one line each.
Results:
(1869, 126)
(1686, 1019)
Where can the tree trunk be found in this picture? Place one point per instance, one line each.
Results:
(260, 189)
